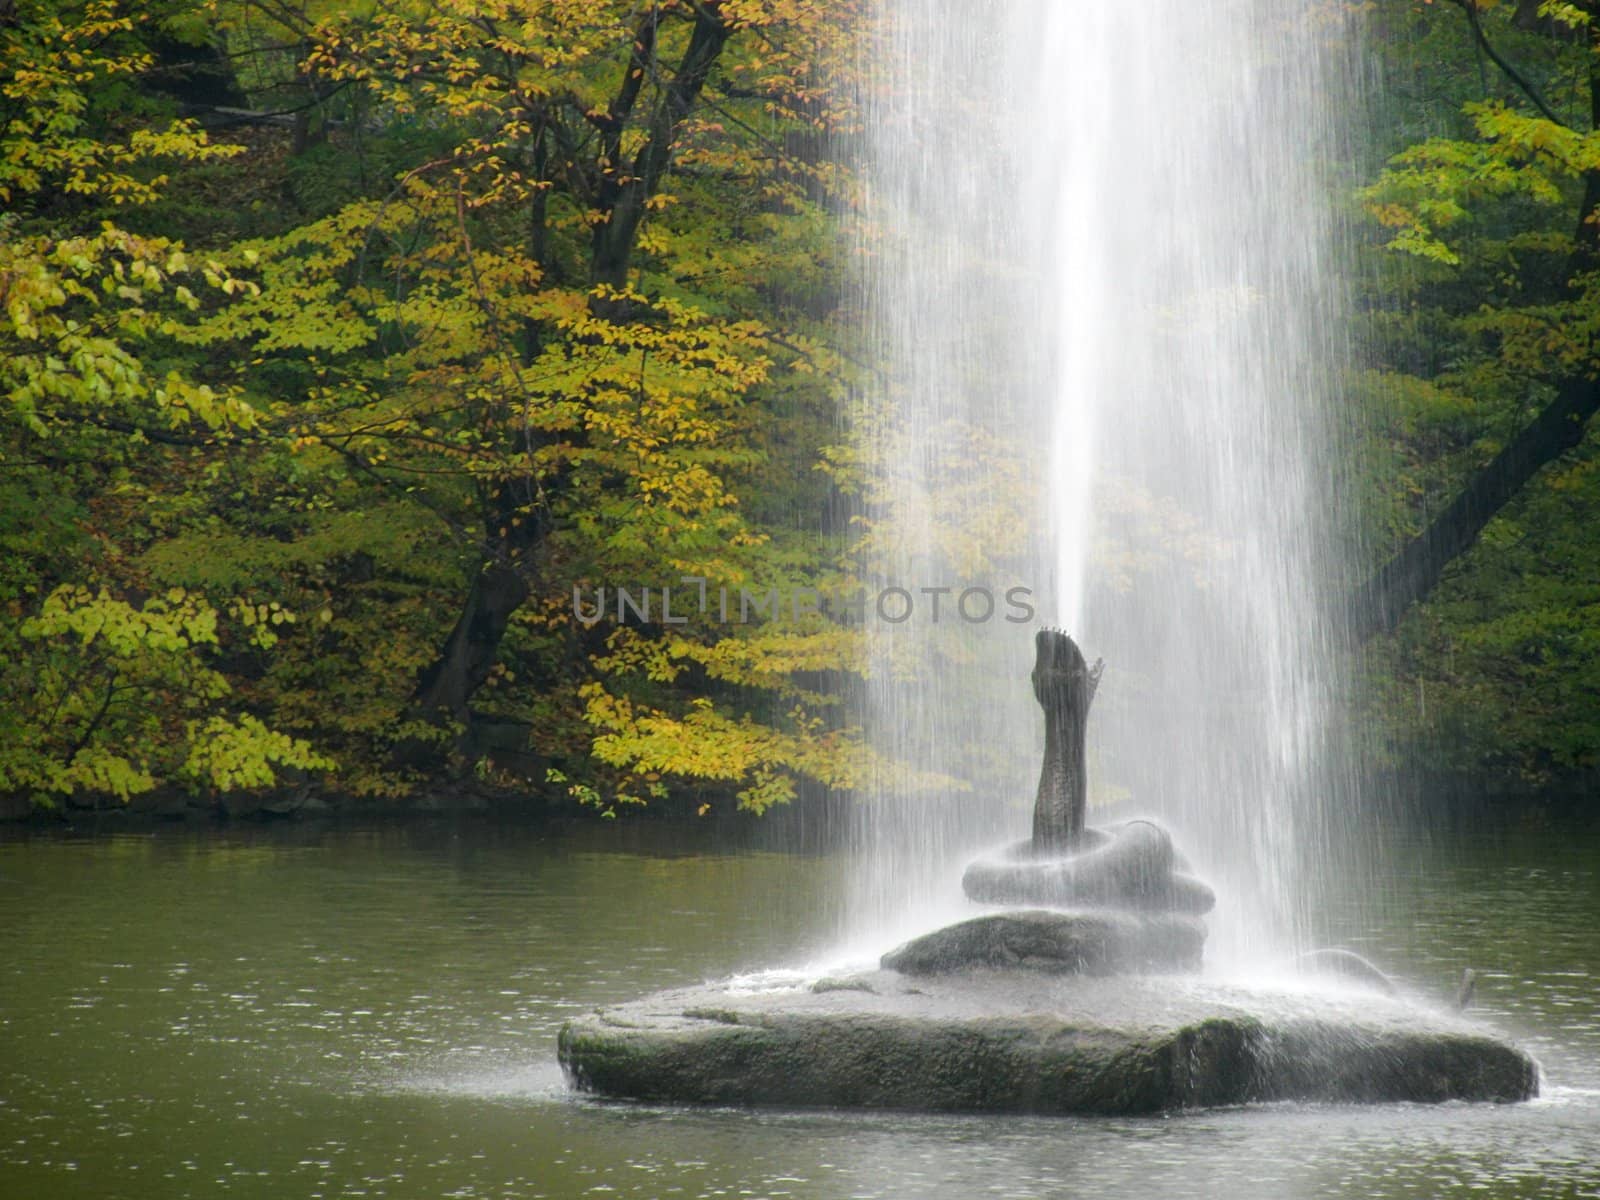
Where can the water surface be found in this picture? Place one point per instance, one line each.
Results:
(343, 1012)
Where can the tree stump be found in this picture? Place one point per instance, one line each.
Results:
(1064, 685)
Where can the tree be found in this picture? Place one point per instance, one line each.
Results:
(1456, 202)
(108, 694)
(528, 300)
(1482, 391)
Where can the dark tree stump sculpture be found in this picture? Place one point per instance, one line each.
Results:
(1130, 867)
(1064, 685)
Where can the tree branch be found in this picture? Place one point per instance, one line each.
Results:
(1470, 7)
(624, 198)
(1379, 604)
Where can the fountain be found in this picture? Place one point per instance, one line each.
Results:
(1100, 248)
(1103, 268)
(1078, 1007)
(1131, 906)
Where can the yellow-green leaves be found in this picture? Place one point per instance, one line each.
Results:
(1430, 191)
(762, 761)
(168, 625)
(122, 697)
(233, 755)
(78, 314)
(50, 60)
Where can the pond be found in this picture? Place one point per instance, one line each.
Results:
(294, 1011)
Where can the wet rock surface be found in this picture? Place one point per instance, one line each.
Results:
(1131, 867)
(1092, 943)
(1012, 1041)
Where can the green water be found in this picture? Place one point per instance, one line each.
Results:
(293, 1012)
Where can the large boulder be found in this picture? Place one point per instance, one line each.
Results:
(1030, 1042)
(1099, 942)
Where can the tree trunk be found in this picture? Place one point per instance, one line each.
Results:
(1410, 575)
(447, 687)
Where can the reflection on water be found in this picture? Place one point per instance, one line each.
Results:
(356, 1013)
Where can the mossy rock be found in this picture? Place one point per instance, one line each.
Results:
(1092, 943)
(1007, 1041)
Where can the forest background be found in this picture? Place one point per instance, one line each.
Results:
(341, 344)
